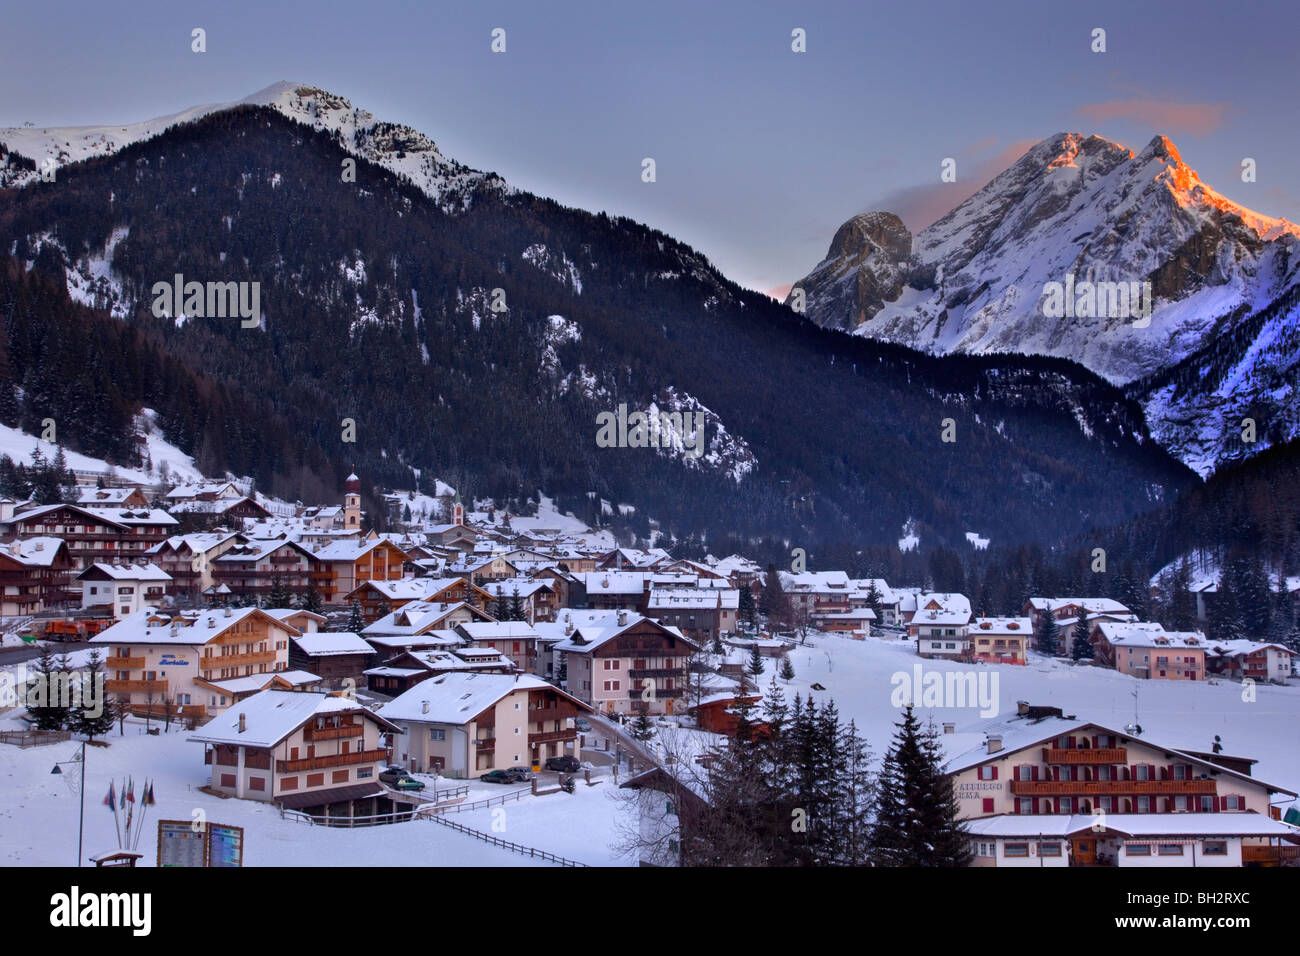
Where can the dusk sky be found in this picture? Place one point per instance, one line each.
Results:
(761, 152)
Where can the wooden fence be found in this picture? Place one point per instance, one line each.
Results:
(505, 844)
(33, 738)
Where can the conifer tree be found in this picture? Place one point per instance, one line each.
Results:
(755, 660)
(356, 621)
(44, 704)
(1081, 648)
(96, 715)
(787, 670)
(1048, 634)
(917, 816)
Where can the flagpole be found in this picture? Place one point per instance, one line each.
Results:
(116, 826)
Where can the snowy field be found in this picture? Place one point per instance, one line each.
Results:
(38, 813)
(1185, 714)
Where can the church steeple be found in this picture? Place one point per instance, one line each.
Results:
(352, 504)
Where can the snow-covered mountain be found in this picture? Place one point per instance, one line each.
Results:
(1081, 209)
(401, 149)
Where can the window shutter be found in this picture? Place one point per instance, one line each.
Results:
(995, 773)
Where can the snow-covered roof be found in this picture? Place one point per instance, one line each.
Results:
(1093, 605)
(125, 572)
(674, 598)
(613, 582)
(330, 643)
(458, 698)
(272, 715)
(497, 630)
(1241, 647)
(415, 618)
(253, 682)
(196, 629)
(37, 552)
(1149, 634)
(1014, 626)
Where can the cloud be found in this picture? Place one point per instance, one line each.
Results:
(1196, 119)
(920, 206)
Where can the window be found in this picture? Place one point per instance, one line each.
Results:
(1024, 772)
(227, 779)
(1049, 849)
(256, 783)
(1180, 803)
(1067, 804)
(340, 776)
(1026, 805)
(1142, 772)
(1207, 804)
(1137, 849)
(1016, 849)
(436, 734)
(988, 805)
(1234, 803)
(988, 772)
(1171, 849)
(1215, 847)
(1144, 805)
(315, 779)
(365, 773)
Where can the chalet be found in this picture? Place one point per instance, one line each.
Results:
(127, 497)
(235, 689)
(536, 597)
(887, 600)
(255, 567)
(1257, 660)
(204, 491)
(230, 511)
(855, 623)
(620, 662)
(301, 751)
(1066, 611)
(701, 614)
(123, 589)
(1041, 764)
(94, 534)
(718, 713)
(420, 617)
(941, 631)
(374, 596)
(633, 559)
(612, 590)
(462, 725)
(152, 659)
(188, 559)
(1147, 650)
(817, 592)
(1000, 640)
(350, 564)
(402, 672)
(337, 656)
(34, 575)
(527, 650)
(670, 806)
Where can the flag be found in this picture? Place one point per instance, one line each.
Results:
(110, 801)
(130, 791)
(148, 795)
(130, 812)
(121, 801)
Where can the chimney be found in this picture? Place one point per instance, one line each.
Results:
(227, 612)
(568, 629)
(1022, 707)
(995, 743)
(242, 723)
(212, 622)
(622, 618)
(424, 706)
(949, 728)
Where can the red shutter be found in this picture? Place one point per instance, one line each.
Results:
(995, 773)
(1035, 773)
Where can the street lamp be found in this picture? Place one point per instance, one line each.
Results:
(80, 787)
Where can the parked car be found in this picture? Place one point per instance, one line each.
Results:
(499, 776)
(522, 774)
(399, 779)
(564, 764)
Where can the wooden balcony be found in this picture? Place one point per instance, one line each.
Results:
(1095, 755)
(347, 731)
(1102, 788)
(124, 663)
(1270, 855)
(158, 687)
(333, 760)
(218, 661)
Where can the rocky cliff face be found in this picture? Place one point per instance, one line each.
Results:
(1073, 210)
